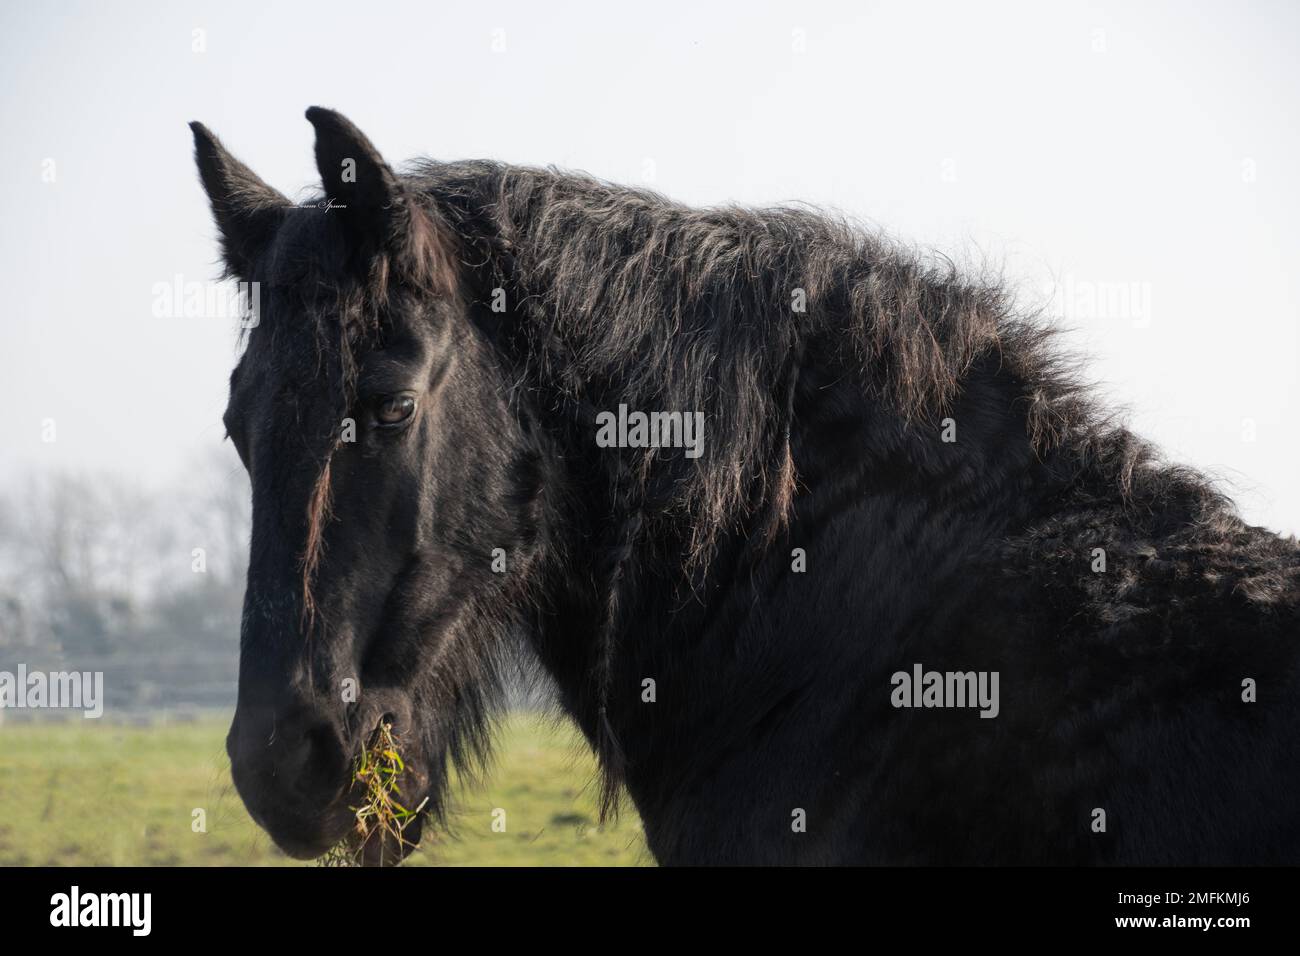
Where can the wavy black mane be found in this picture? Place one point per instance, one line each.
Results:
(624, 295)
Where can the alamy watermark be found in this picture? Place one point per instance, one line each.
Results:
(1103, 300)
(130, 910)
(635, 429)
(922, 688)
(179, 299)
(55, 690)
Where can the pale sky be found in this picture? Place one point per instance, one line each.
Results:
(1142, 158)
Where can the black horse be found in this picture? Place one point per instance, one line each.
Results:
(907, 596)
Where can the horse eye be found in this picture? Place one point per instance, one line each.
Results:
(395, 409)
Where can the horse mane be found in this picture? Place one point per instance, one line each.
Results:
(626, 296)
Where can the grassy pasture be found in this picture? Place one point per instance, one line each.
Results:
(93, 793)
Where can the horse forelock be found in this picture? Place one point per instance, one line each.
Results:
(346, 299)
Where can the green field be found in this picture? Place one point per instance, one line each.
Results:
(96, 794)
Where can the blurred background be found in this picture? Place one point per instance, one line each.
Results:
(1131, 169)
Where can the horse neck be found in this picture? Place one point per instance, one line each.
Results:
(971, 456)
(916, 494)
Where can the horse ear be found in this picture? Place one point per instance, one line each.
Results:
(365, 192)
(247, 210)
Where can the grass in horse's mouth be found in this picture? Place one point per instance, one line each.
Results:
(381, 817)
